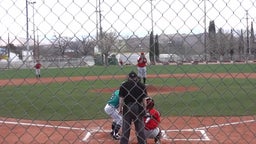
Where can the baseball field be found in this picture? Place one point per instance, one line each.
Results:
(212, 103)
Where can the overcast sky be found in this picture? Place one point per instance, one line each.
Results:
(127, 17)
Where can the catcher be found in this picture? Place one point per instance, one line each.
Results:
(152, 120)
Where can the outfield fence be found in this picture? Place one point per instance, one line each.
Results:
(201, 68)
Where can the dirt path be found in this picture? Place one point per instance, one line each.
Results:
(30, 81)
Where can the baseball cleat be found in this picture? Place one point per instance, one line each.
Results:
(112, 133)
(116, 136)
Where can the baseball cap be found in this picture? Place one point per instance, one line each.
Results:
(132, 74)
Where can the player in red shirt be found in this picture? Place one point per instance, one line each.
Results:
(141, 66)
(121, 63)
(38, 67)
(152, 120)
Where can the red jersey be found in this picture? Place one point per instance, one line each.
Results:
(38, 66)
(142, 62)
(121, 62)
(154, 121)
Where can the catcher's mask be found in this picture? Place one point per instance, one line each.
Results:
(150, 103)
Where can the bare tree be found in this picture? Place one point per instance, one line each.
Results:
(107, 43)
(221, 44)
(12, 48)
(241, 45)
(252, 40)
(61, 43)
(86, 46)
(74, 47)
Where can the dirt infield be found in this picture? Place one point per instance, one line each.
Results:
(154, 90)
(31, 81)
(176, 130)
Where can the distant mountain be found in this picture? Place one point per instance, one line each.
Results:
(192, 44)
(168, 43)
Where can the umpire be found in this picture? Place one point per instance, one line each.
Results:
(133, 106)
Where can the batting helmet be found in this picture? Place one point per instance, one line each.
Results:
(150, 103)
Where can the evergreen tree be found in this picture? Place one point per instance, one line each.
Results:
(241, 45)
(252, 39)
(212, 41)
(152, 48)
(231, 45)
(157, 48)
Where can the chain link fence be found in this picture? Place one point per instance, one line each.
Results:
(200, 69)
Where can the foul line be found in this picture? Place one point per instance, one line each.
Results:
(226, 124)
(202, 130)
(42, 125)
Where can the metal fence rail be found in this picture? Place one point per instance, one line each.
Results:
(201, 63)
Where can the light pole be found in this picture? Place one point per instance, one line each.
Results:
(152, 19)
(34, 49)
(152, 30)
(205, 31)
(97, 27)
(101, 35)
(169, 51)
(248, 51)
(27, 41)
(100, 21)
(170, 45)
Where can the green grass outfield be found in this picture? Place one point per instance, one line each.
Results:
(76, 101)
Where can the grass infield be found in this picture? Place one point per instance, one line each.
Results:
(76, 101)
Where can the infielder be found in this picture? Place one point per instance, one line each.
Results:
(141, 66)
(111, 110)
(152, 120)
(38, 67)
